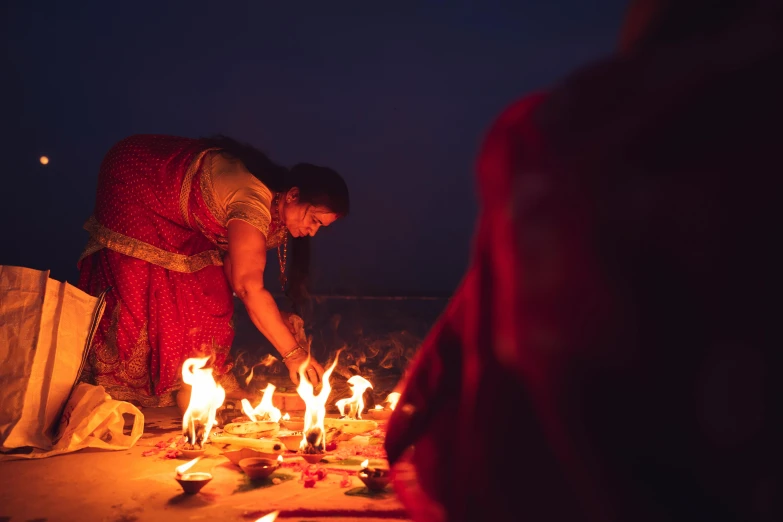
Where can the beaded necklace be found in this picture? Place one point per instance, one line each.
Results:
(282, 248)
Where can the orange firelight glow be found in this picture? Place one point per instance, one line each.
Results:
(44, 160)
(205, 398)
(265, 410)
(392, 399)
(355, 402)
(315, 405)
(183, 468)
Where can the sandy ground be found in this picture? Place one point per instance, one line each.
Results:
(125, 486)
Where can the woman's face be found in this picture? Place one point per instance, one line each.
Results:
(304, 219)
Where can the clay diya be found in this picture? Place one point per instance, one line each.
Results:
(376, 479)
(312, 458)
(191, 453)
(258, 468)
(290, 439)
(379, 413)
(193, 482)
(246, 453)
(295, 424)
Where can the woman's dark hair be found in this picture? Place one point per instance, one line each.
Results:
(319, 186)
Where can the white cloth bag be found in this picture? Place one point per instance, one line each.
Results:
(45, 330)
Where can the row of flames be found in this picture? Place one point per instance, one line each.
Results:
(207, 397)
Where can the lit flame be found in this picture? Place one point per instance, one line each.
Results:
(355, 403)
(270, 517)
(186, 466)
(280, 459)
(205, 398)
(265, 409)
(365, 463)
(269, 360)
(286, 417)
(315, 405)
(392, 399)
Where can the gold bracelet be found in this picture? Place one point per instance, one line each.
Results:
(292, 352)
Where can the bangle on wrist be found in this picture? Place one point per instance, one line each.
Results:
(292, 353)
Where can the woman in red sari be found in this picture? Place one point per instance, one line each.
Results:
(179, 225)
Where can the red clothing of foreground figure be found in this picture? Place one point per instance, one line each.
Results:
(608, 355)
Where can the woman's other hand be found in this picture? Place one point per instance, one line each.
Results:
(294, 324)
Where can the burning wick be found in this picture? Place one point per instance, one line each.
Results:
(205, 398)
(367, 471)
(286, 417)
(313, 439)
(183, 468)
(355, 402)
(265, 410)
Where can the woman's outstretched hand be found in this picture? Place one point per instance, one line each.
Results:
(313, 372)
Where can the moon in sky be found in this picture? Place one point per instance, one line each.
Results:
(44, 160)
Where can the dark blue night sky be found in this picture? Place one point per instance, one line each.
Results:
(394, 95)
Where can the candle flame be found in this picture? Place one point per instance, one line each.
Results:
(269, 360)
(269, 517)
(280, 458)
(183, 468)
(366, 463)
(265, 409)
(315, 405)
(355, 402)
(286, 417)
(205, 398)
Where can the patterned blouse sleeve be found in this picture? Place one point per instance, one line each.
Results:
(242, 195)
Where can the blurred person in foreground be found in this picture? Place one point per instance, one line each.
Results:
(611, 351)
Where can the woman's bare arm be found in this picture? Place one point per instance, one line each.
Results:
(244, 267)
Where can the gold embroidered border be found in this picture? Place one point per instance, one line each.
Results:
(140, 250)
(208, 193)
(256, 219)
(92, 247)
(187, 182)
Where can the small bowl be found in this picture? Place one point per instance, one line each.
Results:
(258, 468)
(246, 453)
(291, 441)
(193, 482)
(379, 414)
(312, 458)
(376, 480)
(191, 454)
(293, 424)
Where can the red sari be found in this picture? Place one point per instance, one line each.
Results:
(156, 239)
(611, 353)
